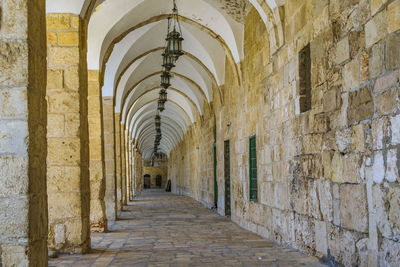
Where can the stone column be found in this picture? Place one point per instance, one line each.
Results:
(117, 136)
(23, 206)
(130, 170)
(98, 222)
(67, 135)
(123, 164)
(109, 158)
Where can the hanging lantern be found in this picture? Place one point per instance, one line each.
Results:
(161, 105)
(158, 126)
(165, 79)
(168, 61)
(174, 45)
(158, 119)
(163, 95)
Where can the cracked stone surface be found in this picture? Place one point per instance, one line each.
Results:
(162, 229)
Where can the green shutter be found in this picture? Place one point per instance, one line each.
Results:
(215, 175)
(253, 168)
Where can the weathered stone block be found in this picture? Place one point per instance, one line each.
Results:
(360, 106)
(52, 38)
(376, 60)
(68, 38)
(55, 125)
(376, 5)
(393, 51)
(394, 210)
(71, 78)
(63, 178)
(63, 101)
(14, 62)
(393, 11)
(72, 125)
(358, 139)
(353, 208)
(54, 79)
(64, 151)
(57, 21)
(14, 173)
(351, 74)
(60, 56)
(395, 123)
(386, 81)
(13, 136)
(321, 240)
(13, 255)
(386, 102)
(15, 225)
(13, 102)
(376, 29)
(342, 51)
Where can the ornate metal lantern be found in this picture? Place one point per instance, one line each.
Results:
(161, 105)
(174, 44)
(168, 61)
(174, 38)
(163, 95)
(165, 79)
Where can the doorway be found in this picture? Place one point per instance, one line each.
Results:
(158, 180)
(227, 174)
(147, 182)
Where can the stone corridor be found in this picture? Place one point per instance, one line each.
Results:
(162, 229)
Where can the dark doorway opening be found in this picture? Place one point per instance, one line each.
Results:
(147, 183)
(158, 180)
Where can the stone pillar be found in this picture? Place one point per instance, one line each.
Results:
(129, 187)
(123, 165)
(117, 136)
(138, 172)
(98, 222)
(67, 135)
(23, 206)
(109, 158)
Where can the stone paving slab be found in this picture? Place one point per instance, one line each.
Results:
(162, 229)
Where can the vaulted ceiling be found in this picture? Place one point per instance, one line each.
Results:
(125, 42)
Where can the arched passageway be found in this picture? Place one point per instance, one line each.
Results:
(282, 115)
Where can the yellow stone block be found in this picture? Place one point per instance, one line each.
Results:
(51, 38)
(62, 178)
(61, 101)
(63, 151)
(68, 38)
(72, 125)
(58, 21)
(376, 5)
(93, 75)
(71, 78)
(54, 79)
(394, 16)
(55, 125)
(75, 21)
(63, 56)
(93, 88)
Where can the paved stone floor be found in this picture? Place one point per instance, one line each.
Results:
(162, 229)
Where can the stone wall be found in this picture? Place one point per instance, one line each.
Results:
(98, 222)
(109, 159)
(153, 172)
(328, 178)
(23, 202)
(67, 134)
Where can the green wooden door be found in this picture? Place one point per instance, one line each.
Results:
(227, 171)
(215, 175)
(253, 168)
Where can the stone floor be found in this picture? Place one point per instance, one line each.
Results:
(162, 229)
